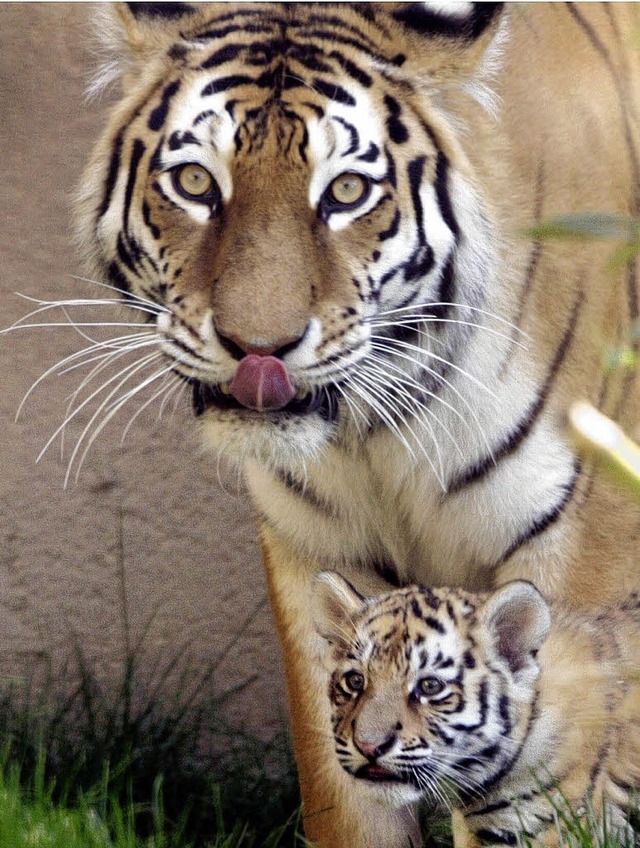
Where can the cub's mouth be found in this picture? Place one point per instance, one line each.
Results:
(378, 774)
(323, 401)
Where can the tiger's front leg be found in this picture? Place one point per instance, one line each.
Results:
(337, 811)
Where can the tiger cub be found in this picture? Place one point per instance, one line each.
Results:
(487, 703)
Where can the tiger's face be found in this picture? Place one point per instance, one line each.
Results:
(283, 194)
(431, 690)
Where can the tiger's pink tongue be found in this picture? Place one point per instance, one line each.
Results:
(262, 382)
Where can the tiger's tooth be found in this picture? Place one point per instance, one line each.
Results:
(301, 394)
(225, 388)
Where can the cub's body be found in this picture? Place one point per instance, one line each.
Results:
(486, 703)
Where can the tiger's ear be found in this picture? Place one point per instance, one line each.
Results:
(519, 620)
(132, 35)
(442, 42)
(335, 603)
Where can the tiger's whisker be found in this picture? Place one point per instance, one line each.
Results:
(431, 355)
(380, 410)
(433, 320)
(166, 386)
(486, 312)
(129, 296)
(384, 409)
(447, 383)
(410, 408)
(110, 411)
(94, 394)
(406, 380)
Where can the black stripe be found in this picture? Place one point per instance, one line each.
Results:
(503, 804)
(112, 175)
(118, 279)
(336, 38)
(397, 131)
(123, 254)
(483, 699)
(225, 54)
(220, 33)
(333, 92)
(544, 521)
(496, 837)
(159, 114)
(352, 69)
(523, 428)
(428, 22)
(392, 230)
(334, 21)
(226, 83)
(443, 197)
(208, 113)
(370, 154)
(302, 491)
(415, 170)
(136, 155)
(354, 138)
(146, 217)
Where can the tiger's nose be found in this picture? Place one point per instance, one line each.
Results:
(376, 748)
(239, 348)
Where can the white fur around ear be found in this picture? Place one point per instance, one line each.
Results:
(335, 603)
(518, 618)
(130, 35)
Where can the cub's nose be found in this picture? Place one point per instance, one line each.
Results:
(376, 748)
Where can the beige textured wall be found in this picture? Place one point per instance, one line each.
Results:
(189, 539)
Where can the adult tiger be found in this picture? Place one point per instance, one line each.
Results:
(327, 204)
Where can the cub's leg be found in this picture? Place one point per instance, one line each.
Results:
(338, 812)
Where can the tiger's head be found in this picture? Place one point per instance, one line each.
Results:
(282, 187)
(431, 690)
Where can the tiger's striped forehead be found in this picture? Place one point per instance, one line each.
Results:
(238, 92)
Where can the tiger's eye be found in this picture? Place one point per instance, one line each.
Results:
(354, 681)
(348, 189)
(430, 686)
(193, 180)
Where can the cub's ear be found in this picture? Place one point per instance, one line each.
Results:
(444, 41)
(335, 603)
(518, 619)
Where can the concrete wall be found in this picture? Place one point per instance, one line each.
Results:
(189, 543)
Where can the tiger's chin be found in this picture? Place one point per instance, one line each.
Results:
(280, 438)
(277, 440)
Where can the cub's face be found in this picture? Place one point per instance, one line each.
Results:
(426, 698)
(274, 186)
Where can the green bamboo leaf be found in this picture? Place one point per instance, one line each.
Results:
(585, 226)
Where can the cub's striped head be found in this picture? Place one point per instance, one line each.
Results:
(284, 184)
(431, 690)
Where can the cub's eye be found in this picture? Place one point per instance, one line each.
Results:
(354, 681)
(345, 192)
(429, 686)
(194, 182)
